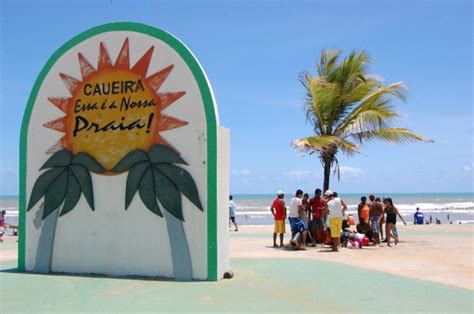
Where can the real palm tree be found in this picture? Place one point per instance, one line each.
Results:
(346, 107)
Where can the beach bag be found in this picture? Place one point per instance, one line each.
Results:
(365, 241)
(353, 244)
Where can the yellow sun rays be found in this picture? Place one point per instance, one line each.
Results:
(152, 84)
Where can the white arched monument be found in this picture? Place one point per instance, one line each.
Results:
(124, 169)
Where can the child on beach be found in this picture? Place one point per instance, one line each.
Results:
(365, 228)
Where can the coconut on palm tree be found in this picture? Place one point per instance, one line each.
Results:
(347, 106)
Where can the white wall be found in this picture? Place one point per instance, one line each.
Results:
(112, 240)
(223, 167)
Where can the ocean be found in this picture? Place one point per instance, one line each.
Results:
(254, 209)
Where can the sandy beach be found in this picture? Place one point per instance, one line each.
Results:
(430, 270)
(437, 253)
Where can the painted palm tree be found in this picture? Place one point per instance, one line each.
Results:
(155, 175)
(346, 107)
(65, 178)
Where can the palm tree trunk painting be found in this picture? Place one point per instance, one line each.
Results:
(182, 265)
(44, 250)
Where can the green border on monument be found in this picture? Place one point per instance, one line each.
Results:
(209, 108)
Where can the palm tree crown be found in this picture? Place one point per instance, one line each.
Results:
(346, 107)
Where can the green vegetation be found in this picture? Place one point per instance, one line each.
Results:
(346, 107)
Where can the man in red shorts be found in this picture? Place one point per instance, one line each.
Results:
(278, 210)
(318, 206)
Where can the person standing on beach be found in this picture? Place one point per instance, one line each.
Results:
(278, 210)
(307, 212)
(336, 210)
(363, 210)
(318, 206)
(375, 216)
(392, 212)
(2, 224)
(382, 219)
(306, 208)
(296, 222)
(232, 208)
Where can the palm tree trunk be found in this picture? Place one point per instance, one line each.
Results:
(44, 250)
(327, 175)
(181, 258)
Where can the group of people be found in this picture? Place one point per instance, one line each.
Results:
(309, 218)
(322, 217)
(372, 217)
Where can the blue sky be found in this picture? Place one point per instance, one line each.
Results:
(252, 53)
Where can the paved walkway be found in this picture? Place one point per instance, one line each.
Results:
(289, 285)
(274, 281)
(440, 254)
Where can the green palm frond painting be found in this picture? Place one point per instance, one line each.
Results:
(156, 177)
(67, 178)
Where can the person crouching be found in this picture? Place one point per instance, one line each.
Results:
(297, 224)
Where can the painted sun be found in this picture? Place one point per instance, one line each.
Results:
(115, 108)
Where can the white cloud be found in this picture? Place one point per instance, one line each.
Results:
(355, 172)
(250, 180)
(296, 175)
(469, 168)
(241, 173)
(302, 174)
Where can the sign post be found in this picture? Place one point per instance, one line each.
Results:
(124, 169)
